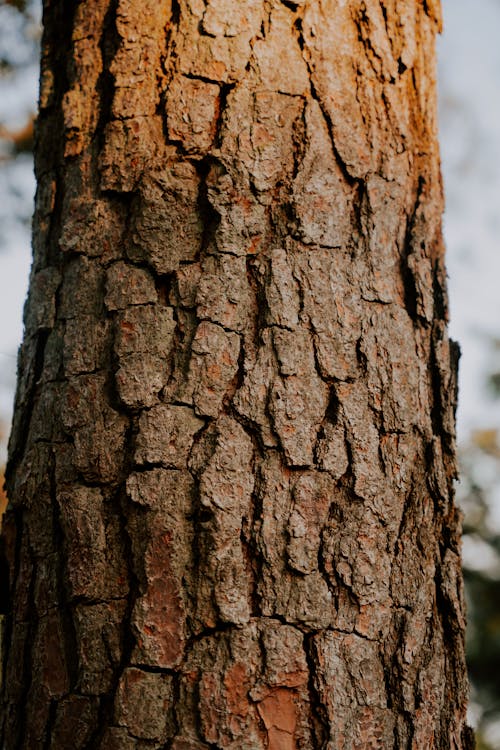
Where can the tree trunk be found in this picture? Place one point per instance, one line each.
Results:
(231, 517)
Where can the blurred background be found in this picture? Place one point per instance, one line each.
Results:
(469, 90)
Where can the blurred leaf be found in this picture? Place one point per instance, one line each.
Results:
(20, 5)
(494, 383)
(21, 141)
(481, 743)
(487, 441)
(483, 638)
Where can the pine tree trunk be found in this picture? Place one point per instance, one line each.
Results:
(231, 464)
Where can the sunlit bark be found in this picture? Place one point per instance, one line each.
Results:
(231, 465)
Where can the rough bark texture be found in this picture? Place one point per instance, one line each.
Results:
(231, 465)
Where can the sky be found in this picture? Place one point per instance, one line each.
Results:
(469, 90)
(17, 185)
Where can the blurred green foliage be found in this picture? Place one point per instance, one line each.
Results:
(480, 483)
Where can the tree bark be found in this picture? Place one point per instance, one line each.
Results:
(231, 518)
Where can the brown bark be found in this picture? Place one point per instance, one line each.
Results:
(231, 465)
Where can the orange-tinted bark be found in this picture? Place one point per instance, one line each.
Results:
(232, 461)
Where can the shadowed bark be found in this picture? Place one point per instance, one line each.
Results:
(231, 518)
